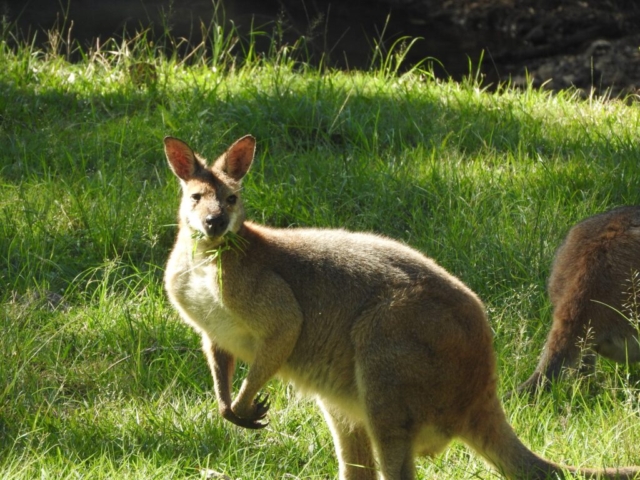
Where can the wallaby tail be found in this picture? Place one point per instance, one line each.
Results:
(491, 436)
(622, 473)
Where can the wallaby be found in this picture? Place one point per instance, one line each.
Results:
(595, 294)
(396, 351)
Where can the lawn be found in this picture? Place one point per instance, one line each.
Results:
(98, 376)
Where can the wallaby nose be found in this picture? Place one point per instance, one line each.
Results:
(216, 224)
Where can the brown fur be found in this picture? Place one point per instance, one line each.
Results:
(396, 351)
(590, 291)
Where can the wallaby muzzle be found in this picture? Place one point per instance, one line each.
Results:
(216, 225)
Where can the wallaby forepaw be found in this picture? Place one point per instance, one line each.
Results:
(252, 417)
(252, 423)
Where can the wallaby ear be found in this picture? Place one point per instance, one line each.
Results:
(181, 158)
(236, 161)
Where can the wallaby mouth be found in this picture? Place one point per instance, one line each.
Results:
(211, 229)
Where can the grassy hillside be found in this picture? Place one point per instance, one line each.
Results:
(98, 376)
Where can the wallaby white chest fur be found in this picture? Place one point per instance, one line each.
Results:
(196, 291)
(397, 351)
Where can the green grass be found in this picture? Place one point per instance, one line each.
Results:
(98, 376)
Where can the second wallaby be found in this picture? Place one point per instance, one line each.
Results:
(595, 291)
(396, 351)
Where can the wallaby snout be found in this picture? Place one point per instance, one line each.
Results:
(216, 225)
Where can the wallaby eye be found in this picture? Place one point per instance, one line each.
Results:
(196, 197)
(232, 199)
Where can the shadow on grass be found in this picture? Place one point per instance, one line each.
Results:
(355, 140)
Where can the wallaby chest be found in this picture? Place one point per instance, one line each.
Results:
(195, 288)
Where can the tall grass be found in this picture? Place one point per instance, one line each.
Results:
(99, 378)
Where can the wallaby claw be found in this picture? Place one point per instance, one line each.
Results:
(251, 423)
(262, 406)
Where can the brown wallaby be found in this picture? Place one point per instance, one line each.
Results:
(595, 294)
(397, 352)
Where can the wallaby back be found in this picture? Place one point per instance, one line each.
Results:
(595, 291)
(397, 352)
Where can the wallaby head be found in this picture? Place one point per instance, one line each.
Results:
(211, 204)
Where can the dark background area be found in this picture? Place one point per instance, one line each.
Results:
(582, 43)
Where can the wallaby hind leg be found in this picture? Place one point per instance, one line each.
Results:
(563, 349)
(391, 425)
(395, 452)
(353, 446)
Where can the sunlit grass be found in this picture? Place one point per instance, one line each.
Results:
(99, 378)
